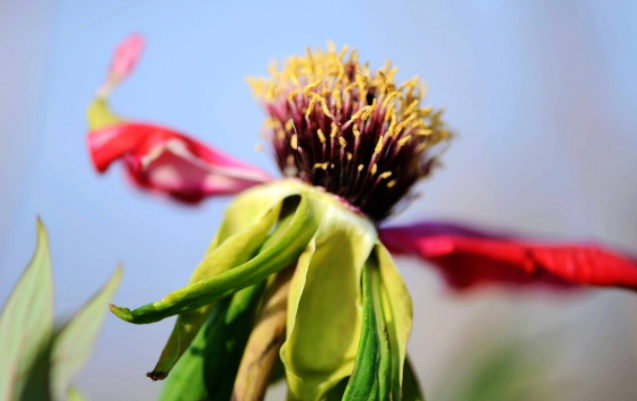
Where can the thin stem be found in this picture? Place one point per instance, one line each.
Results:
(264, 343)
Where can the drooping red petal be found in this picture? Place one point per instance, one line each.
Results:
(467, 257)
(159, 158)
(163, 160)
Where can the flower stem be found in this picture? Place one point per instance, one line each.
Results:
(263, 346)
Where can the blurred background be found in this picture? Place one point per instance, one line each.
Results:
(541, 93)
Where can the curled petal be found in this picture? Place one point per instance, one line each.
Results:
(468, 258)
(159, 158)
(163, 160)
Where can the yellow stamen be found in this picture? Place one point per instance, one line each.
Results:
(321, 136)
(355, 130)
(294, 142)
(403, 141)
(310, 107)
(334, 131)
(379, 146)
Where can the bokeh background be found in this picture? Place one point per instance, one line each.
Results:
(541, 93)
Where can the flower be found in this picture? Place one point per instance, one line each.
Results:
(305, 254)
(159, 158)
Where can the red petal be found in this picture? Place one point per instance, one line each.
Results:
(166, 161)
(468, 257)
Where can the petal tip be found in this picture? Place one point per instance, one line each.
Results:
(122, 313)
(154, 375)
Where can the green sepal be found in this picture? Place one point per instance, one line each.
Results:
(26, 323)
(282, 252)
(324, 304)
(234, 251)
(398, 314)
(99, 114)
(206, 371)
(372, 375)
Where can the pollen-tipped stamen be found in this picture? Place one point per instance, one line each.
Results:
(377, 129)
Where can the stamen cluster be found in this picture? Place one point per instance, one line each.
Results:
(357, 134)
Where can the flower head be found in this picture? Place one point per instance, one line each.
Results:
(334, 124)
(318, 275)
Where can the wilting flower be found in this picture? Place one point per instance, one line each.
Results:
(300, 264)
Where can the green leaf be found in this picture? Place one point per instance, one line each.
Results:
(398, 314)
(26, 322)
(372, 375)
(233, 251)
(208, 368)
(281, 253)
(324, 304)
(411, 388)
(74, 342)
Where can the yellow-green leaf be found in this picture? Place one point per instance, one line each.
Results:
(324, 305)
(26, 322)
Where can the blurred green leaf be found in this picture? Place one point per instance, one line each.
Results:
(74, 395)
(37, 364)
(207, 370)
(74, 342)
(26, 322)
(37, 382)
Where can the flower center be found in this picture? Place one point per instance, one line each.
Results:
(334, 124)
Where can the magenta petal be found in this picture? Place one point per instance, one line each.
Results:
(467, 257)
(165, 161)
